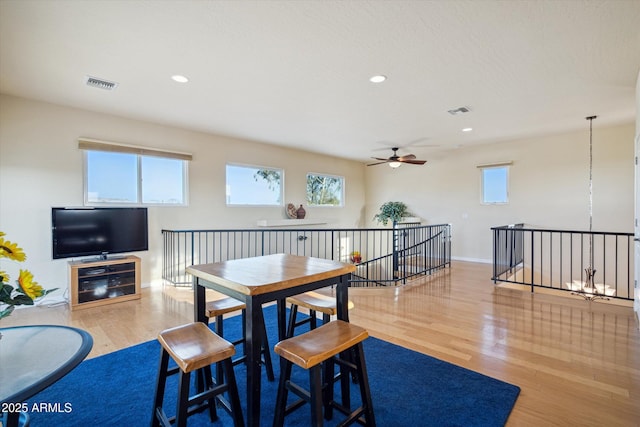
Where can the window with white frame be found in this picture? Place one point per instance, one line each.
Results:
(254, 185)
(325, 190)
(123, 174)
(495, 183)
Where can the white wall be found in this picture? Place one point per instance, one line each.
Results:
(41, 167)
(548, 186)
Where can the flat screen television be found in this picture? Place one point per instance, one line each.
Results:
(79, 232)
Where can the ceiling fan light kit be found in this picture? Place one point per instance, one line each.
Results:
(396, 161)
(378, 78)
(459, 110)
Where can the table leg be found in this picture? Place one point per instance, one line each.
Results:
(282, 319)
(342, 297)
(253, 343)
(12, 419)
(199, 301)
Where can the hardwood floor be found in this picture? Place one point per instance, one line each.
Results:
(577, 363)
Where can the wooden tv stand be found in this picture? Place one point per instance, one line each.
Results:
(101, 282)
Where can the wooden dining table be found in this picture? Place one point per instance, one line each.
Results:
(263, 279)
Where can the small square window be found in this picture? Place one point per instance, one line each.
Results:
(495, 180)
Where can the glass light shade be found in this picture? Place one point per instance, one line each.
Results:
(395, 164)
(378, 79)
(180, 79)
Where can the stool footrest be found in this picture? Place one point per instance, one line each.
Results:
(295, 405)
(173, 371)
(162, 417)
(352, 416)
(169, 421)
(301, 392)
(345, 363)
(207, 394)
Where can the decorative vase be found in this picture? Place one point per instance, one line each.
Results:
(301, 213)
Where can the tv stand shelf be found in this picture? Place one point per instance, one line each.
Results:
(102, 282)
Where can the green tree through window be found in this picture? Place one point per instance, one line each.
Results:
(271, 176)
(324, 190)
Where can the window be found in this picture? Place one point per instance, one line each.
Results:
(120, 174)
(254, 185)
(325, 190)
(495, 180)
(163, 180)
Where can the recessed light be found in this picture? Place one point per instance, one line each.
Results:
(180, 79)
(467, 129)
(378, 79)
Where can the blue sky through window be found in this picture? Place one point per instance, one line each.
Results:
(162, 180)
(494, 185)
(244, 187)
(113, 178)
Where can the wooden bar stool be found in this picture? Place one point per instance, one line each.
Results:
(216, 310)
(331, 343)
(314, 302)
(195, 347)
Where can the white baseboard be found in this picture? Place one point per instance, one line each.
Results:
(467, 259)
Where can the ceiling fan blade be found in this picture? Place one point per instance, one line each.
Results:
(416, 141)
(409, 158)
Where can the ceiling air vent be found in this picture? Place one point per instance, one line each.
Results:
(100, 83)
(460, 110)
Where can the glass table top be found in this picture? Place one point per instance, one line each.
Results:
(34, 357)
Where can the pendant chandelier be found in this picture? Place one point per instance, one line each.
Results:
(588, 288)
(590, 271)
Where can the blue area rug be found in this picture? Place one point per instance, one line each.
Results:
(408, 388)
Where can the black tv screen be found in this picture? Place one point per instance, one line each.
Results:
(78, 232)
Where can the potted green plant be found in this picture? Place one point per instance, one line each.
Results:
(392, 211)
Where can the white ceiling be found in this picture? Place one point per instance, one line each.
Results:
(296, 73)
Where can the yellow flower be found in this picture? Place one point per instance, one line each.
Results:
(11, 250)
(28, 286)
(26, 291)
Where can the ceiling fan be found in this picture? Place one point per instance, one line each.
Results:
(396, 161)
